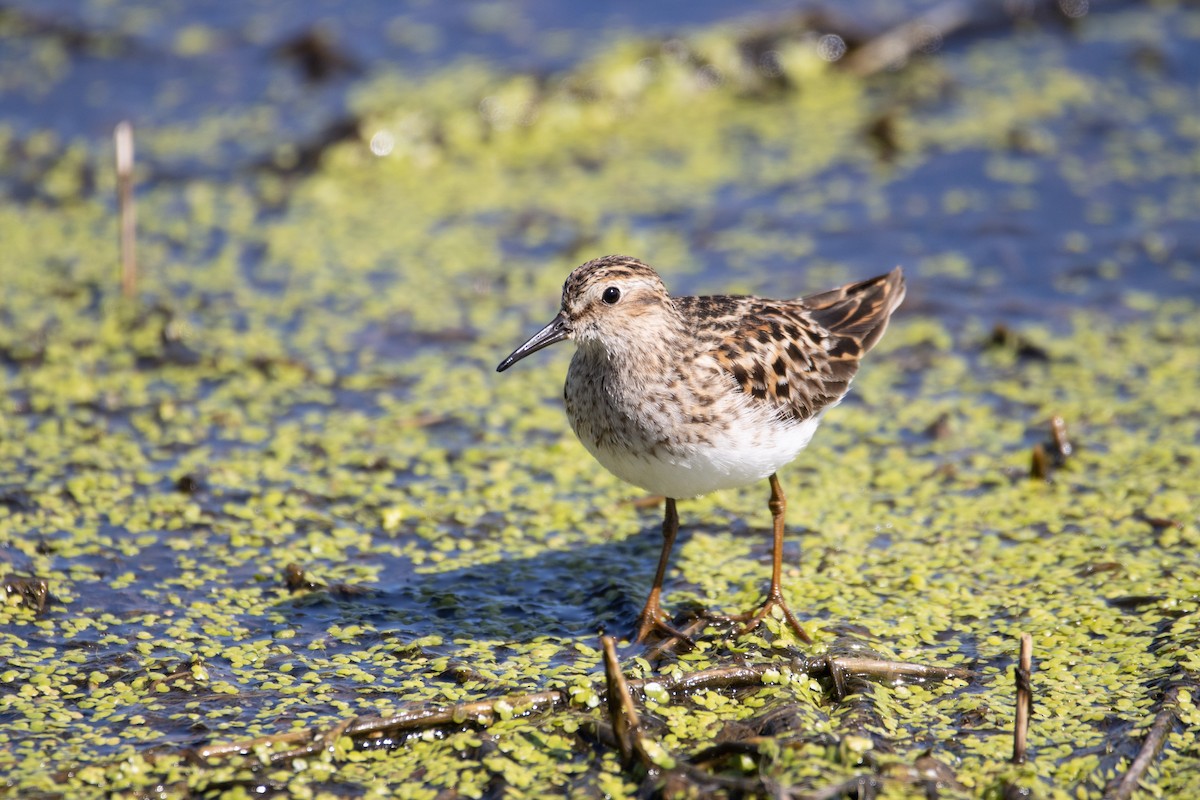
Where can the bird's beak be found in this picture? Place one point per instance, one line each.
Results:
(556, 331)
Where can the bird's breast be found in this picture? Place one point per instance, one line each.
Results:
(672, 434)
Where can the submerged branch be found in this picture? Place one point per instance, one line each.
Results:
(1164, 720)
(366, 730)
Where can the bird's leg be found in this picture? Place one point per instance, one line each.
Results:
(778, 506)
(653, 618)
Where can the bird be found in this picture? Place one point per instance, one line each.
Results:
(683, 396)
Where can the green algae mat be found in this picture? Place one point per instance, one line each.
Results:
(274, 526)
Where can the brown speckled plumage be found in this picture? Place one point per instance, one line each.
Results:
(686, 395)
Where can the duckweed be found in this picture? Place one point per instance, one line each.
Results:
(306, 378)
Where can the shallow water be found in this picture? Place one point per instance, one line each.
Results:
(306, 377)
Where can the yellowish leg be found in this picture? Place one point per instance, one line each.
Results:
(778, 506)
(653, 618)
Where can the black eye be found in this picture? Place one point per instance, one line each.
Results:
(611, 295)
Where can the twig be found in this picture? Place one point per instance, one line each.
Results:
(123, 138)
(858, 786)
(484, 712)
(622, 713)
(837, 676)
(900, 42)
(649, 501)
(34, 592)
(889, 670)
(1164, 720)
(1052, 454)
(1023, 674)
(1058, 434)
(662, 648)
(325, 742)
(1039, 464)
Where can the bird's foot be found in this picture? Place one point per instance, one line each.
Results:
(653, 620)
(751, 619)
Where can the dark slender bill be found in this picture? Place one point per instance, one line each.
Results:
(556, 331)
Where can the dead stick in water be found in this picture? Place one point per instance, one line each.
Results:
(485, 712)
(622, 714)
(123, 138)
(1164, 720)
(898, 44)
(1024, 678)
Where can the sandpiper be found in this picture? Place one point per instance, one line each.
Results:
(682, 396)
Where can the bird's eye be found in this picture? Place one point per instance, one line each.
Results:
(611, 295)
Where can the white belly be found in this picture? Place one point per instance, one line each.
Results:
(727, 462)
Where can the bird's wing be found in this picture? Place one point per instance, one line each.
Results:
(800, 356)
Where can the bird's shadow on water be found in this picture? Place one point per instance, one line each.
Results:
(577, 592)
